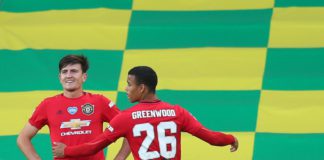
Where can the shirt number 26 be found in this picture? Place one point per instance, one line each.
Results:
(162, 138)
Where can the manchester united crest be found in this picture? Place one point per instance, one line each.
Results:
(87, 109)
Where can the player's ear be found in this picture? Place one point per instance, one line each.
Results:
(142, 88)
(84, 77)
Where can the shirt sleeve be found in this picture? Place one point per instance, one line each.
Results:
(88, 148)
(190, 123)
(110, 109)
(111, 134)
(194, 127)
(39, 116)
(214, 138)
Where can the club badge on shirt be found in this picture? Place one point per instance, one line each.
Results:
(87, 109)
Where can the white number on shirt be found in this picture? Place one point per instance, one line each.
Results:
(163, 140)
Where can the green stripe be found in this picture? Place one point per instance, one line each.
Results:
(268, 146)
(299, 3)
(294, 69)
(241, 28)
(217, 110)
(27, 70)
(10, 150)
(41, 142)
(42, 5)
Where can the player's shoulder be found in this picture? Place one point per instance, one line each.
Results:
(158, 105)
(169, 105)
(53, 98)
(95, 95)
(130, 109)
(128, 112)
(123, 116)
(100, 99)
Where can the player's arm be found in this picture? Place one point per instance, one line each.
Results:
(110, 111)
(103, 140)
(193, 126)
(217, 138)
(24, 142)
(86, 149)
(124, 151)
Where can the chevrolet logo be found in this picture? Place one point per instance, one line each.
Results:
(75, 124)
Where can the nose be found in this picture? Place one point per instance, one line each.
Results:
(68, 74)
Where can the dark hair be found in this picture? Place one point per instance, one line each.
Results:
(145, 75)
(74, 59)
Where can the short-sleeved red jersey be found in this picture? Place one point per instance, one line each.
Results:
(153, 131)
(75, 121)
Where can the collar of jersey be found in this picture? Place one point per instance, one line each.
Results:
(154, 101)
(84, 94)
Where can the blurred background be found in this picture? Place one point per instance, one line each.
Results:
(252, 68)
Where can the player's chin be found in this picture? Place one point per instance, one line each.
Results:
(70, 89)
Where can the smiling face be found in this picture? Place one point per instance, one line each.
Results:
(72, 77)
(133, 90)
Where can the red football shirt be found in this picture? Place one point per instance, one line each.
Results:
(153, 130)
(75, 121)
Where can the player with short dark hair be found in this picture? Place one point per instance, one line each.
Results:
(73, 117)
(152, 127)
(74, 59)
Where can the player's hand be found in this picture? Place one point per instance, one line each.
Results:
(58, 149)
(235, 145)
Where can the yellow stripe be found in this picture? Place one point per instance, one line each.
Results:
(201, 4)
(297, 27)
(114, 148)
(200, 68)
(65, 29)
(291, 112)
(194, 148)
(17, 107)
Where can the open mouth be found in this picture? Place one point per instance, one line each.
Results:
(69, 81)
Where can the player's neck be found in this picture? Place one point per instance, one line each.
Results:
(149, 97)
(73, 94)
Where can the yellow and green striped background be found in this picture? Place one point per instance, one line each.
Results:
(254, 68)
